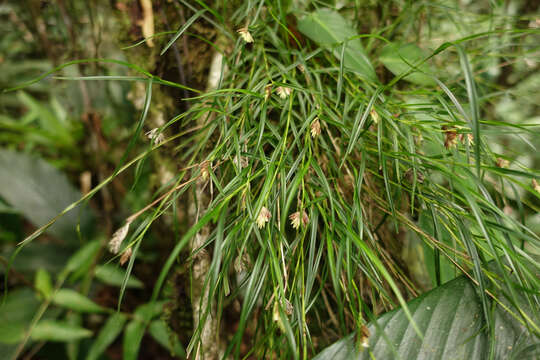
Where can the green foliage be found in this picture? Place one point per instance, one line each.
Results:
(327, 192)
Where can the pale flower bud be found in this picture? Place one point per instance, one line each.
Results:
(263, 218)
(502, 163)
(283, 92)
(374, 115)
(535, 185)
(117, 238)
(155, 136)
(296, 219)
(315, 128)
(125, 256)
(267, 92)
(245, 35)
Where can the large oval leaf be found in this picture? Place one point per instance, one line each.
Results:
(451, 319)
(328, 28)
(40, 192)
(400, 58)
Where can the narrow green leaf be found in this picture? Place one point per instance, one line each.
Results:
(49, 330)
(71, 299)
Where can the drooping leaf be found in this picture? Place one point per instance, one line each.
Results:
(451, 319)
(113, 275)
(107, 335)
(50, 330)
(400, 58)
(41, 192)
(73, 300)
(328, 28)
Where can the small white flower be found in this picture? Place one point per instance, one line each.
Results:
(155, 136)
(245, 35)
(263, 218)
(283, 92)
(315, 128)
(117, 238)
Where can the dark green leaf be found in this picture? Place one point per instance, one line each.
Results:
(452, 321)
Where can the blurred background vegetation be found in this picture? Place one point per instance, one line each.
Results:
(61, 137)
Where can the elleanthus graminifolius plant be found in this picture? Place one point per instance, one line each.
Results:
(312, 161)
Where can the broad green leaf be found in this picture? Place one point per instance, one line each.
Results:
(73, 300)
(49, 330)
(43, 283)
(114, 275)
(169, 340)
(16, 313)
(328, 28)
(452, 321)
(107, 335)
(41, 192)
(400, 58)
(132, 339)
